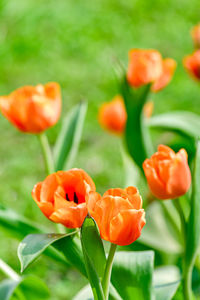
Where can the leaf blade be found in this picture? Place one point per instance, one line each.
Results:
(193, 225)
(132, 274)
(94, 255)
(34, 245)
(69, 138)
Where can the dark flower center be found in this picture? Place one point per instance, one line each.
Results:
(75, 200)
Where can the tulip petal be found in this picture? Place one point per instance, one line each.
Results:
(72, 217)
(126, 227)
(180, 176)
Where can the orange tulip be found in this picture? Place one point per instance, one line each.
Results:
(119, 214)
(195, 33)
(112, 115)
(61, 196)
(33, 109)
(168, 174)
(169, 66)
(145, 66)
(192, 64)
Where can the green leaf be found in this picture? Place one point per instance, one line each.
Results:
(131, 174)
(69, 138)
(28, 287)
(20, 226)
(17, 225)
(132, 274)
(86, 294)
(183, 122)
(136, 133)
(157, 234)
(34, 245)
(166, 282)
(193, 226)
(7, 288)
(94, 255)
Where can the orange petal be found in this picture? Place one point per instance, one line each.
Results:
(48, 188)
(180, 176)
(72, 217)
(126, 227)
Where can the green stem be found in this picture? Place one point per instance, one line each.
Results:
(187, 270)
(49, 164)
(47, 154)
(8, 271)
(187, 279)
(178, 206)
(108, 270)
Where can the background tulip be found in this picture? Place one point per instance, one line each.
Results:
(61, 196)
(112, 115)
(119, 214)
(195, 33)
(33, 109)
(192, 64)
(168, 174)
(145, 66)
(169, 66)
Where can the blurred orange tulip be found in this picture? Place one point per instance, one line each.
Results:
(195, 33)
(61, 196)
(192, 64)
(33, 109)
(112, 115)
(147, 66)
(169, 66)
(168, 174)
(119, 214)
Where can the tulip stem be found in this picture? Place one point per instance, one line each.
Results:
(47, 153)
(108, 270)
(8, 271)
(187, 270)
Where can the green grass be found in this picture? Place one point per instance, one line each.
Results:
(77, 43)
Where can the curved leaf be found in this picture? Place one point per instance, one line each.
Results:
(193, 226)
(34, 245)
(186, 123)
(7, 288)
(20, 226)
(28, 287)
(132, 274)
(157, 234)
(136, 133)
(166, 282)
(86, 294)
(69, 138)
(94, 255)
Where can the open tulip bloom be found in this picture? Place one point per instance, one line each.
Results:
(90, 226)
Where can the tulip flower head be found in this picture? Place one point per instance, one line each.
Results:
(169, 66)
(167, 173)
(195, 33)
(61, 196)
(192, 64)
(119, 214)
(147, 66)
(33, 109)
(112, 115)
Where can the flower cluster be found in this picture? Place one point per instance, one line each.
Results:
(67, 197)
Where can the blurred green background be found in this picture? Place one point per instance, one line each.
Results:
(77, 43)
